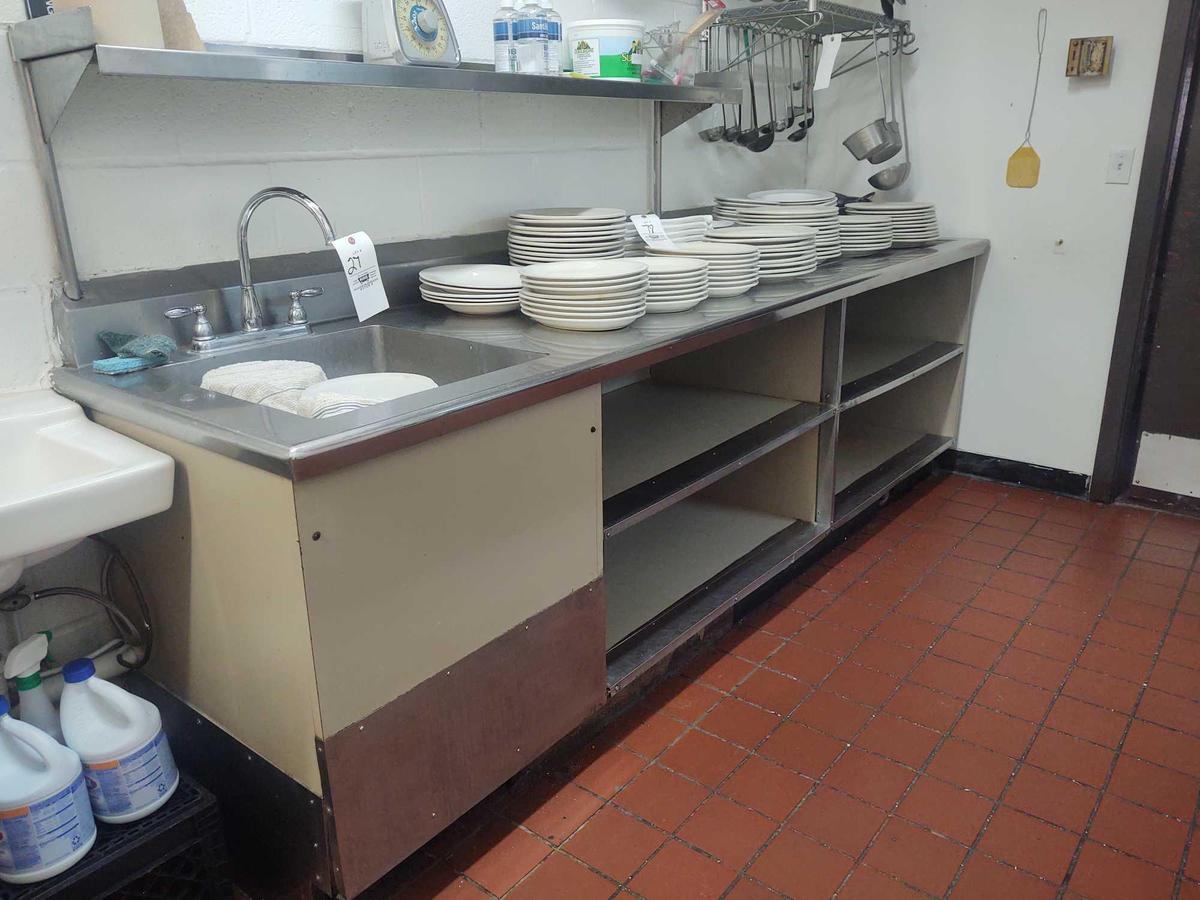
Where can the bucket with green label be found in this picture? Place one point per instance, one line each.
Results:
(607, 48)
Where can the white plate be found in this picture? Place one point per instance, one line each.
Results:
(751, 233)
(482, 296)
(664, 265)
(571, 214)
(705, 249)
(466, 298)
(489, 277)
(522, 258)
(570, 234)
(653, 296)
(373, 387)
(577, 324)
(726, 292)
(733, 282)
(670, 286)
(865, 251)
(895, 206)
(583, 310)
(674, 306)
(793, 195)
(587, 270)
(630, 296)
(478, 309)
(586, 284)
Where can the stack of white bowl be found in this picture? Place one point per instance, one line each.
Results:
(684, 228)
(677, 283)
(913, 224)
(481, 290)
(585, 295)
(733, 268)
(787, 251)
(824, 218)
(562, 233)
(865, 235)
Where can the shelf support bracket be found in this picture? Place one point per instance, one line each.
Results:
(55, 52)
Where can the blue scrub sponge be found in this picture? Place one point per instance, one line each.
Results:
(119, 365)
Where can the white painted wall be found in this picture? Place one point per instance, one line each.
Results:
(155, 172)
(1043, 330)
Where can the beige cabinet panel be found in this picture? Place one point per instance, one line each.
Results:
(426, 555)
(222, 573)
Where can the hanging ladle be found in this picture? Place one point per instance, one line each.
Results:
(755, 139)
(711, 135)
(892, 177)
(805, 119)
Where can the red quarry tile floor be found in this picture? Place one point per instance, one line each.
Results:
(986, 692)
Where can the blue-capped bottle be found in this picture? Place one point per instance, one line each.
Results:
(46, 823)
(119, 737)
(531, 28)
(504, 26)
(554, 39)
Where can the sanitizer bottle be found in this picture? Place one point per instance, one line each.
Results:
(46, 823)
(554, 39)
(128, 763)
(531, 32)
(24, 666)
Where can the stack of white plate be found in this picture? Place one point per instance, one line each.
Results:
(684, 228)
(824, 218)
(733, 268)
(913, 224)
(787, 251)
(338, 396)
(677, 283)
(865, 235)
(562, 233)
(481, 290)
(585, 295)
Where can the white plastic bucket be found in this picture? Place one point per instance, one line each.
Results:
(607, 48)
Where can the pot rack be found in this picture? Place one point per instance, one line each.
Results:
(813, 20)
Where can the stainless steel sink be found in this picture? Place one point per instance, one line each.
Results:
(370, 348)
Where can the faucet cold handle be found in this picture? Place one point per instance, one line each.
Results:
(202, 331)
(296, 314)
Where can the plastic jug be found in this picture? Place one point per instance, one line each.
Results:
(126, 758)
(46, 823)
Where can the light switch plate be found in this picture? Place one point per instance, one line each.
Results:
(1120, 165)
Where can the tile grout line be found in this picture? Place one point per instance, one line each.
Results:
(1188, 847)
(1132, 716)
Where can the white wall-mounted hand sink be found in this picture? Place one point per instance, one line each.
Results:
(63, 477)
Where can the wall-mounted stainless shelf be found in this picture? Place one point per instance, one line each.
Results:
(60, 51)
(813, 19)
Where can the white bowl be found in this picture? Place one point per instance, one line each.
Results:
(474, 277)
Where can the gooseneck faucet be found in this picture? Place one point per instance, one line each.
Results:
(252, 316)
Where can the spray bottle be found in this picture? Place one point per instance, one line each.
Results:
(24, 665)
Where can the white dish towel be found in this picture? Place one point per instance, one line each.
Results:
(276, 383)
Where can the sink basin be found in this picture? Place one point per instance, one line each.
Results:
(371, 349)
(65, 477)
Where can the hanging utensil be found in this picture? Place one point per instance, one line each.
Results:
(875, 137)
(791, 76)
(804, 121)
(895, 139)
(712, 64)
(732, 131)
(892, 177)
(1025, 166)
(755, 139)
(781, 114)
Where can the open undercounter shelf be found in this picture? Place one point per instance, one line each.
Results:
(664, 442)
(873, 365)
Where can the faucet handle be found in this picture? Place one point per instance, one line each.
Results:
(202, 331)
(296, 314)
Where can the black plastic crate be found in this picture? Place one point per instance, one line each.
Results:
(176, 854)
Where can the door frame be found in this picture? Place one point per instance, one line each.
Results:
(1170, 113)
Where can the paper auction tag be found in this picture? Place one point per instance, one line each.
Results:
(361, 266)
(830, 44)
(650, 229)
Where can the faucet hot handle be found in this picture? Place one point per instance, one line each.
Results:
(202, 331)
(297, 315)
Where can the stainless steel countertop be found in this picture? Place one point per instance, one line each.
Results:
(303, 448)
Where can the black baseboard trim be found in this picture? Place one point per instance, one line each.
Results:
(1181, 504)
(1058, 481)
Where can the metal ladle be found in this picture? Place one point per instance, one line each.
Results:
(806, 117)
(715, 133)
(757, 138)
(891, 178)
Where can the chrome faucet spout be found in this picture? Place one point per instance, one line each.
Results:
(252, 315)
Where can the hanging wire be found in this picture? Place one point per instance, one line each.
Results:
(1043, 20)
